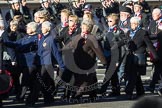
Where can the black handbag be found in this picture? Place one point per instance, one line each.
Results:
(140, 59)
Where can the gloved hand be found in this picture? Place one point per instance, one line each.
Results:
(13, 63)
(58, 39)
(65, 74)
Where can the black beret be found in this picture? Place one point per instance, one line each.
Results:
(124, 9)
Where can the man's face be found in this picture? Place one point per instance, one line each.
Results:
(124, 16)
(156, 15)
(45, 4)
(137, 8)
(64, 17)
(16, 6)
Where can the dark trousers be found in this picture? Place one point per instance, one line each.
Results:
(47, 84)
(82, 81)
(156, 75)
(132, 81)
(68, 77)
(28, 77)
(35, 86)
(114, 81)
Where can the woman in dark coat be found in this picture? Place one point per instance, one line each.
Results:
(86, 48)
(137, 43)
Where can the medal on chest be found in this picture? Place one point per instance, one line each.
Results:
(44, 44)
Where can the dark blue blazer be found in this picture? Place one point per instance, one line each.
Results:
(48, 51)
(25, 58)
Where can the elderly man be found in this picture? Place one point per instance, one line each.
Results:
(125, 15)
(138, 13)
(153, 31)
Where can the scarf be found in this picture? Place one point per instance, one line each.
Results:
(71, 29)
(133, 32)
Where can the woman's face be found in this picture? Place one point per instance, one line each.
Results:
(36, 19)
(72, 22)
(85, 17)
(29, 30)
(13, 27)
(45, 29)
(84, 28)
(134, 25)
(111, 22)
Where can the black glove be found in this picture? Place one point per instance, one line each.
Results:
(65, 74)
(58, 39)
(132, 46)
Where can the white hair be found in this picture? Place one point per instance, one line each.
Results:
(1, 23)
(135, 19)
(47, 24)
(33, 26)
(156, 10)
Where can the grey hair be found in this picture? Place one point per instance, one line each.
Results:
(157, 10)
(89, 23)
(37, 14)
(135, 19)
(33, 26)
(14, 22)
(47, 24)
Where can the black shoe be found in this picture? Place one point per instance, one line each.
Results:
(138, 96)
(31, 105)
(0, 103)
(49, 102)
(159, 91)
(18, 100)
(112, 94)
(130, 97)
(150, 89)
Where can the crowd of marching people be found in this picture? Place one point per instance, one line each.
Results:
(70, 40)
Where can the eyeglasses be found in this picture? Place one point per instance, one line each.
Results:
(71, 21)
(109, 21)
